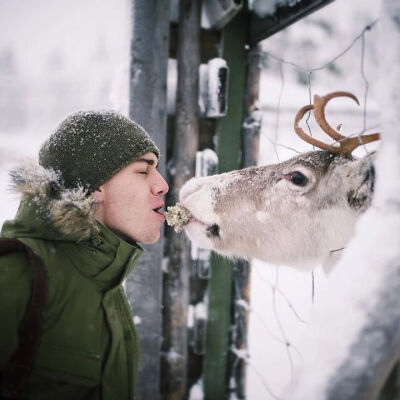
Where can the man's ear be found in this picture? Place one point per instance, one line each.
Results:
(98, 195)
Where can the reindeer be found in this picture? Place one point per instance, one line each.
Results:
(300, 212)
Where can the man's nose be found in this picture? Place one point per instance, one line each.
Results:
(161, 186)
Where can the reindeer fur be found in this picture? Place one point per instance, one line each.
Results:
(258, 212)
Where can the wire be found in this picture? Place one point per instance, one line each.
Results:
(329, 63)
(309, 102)
(280, 144)
(279, 107)
(275, 141)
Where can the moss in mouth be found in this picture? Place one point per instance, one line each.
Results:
(177, 216)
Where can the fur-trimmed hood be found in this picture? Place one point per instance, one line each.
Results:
(66, 213)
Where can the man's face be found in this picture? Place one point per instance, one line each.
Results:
(129, 202)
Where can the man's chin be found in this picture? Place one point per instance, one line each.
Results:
(145, 238)
(150, 239)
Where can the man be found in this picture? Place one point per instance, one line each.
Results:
(95, 194)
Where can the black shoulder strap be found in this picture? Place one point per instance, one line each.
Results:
(18, 367)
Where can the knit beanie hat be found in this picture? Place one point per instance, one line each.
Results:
(90, 147)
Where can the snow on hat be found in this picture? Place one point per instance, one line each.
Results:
(90, 147)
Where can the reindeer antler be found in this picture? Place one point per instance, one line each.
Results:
(346, 144)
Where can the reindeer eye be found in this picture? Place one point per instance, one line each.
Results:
(298, 179)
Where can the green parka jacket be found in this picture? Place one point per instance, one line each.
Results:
(89, 347)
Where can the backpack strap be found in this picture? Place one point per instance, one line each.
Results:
(18, 367)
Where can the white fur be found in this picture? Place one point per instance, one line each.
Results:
(262, 214)
(70, 210)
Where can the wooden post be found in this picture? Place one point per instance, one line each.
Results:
(229, 156)
(252, 114)
(241, 273)
(148, 77)
(186, 138)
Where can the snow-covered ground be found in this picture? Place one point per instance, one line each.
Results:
(79, 61)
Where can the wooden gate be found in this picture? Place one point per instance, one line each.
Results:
(166, 283)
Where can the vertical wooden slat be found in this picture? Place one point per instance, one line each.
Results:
(186, 139)
(252, 114)
(241, 275)
(148, 77)
(229, 155)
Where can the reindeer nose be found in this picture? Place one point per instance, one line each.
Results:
(369, 172)
(213, 230)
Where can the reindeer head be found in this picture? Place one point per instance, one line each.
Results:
(297, 212)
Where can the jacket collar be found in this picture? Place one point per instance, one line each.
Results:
(49, 211)
(65, 213)
(107, 259)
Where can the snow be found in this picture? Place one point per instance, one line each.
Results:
(94, 74)
(196, 312)
(213, 82)
(206, 162)
(41, 84)
(216, 88)
(172, 80)
(201, 311)
(310, 43)
(268, 7)
(173, 356)
(364, 272)
(190, 316)
(244, 304)
(240, 353)
(196, 391)
(344, 303)
(215, 14)
(203, 88)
